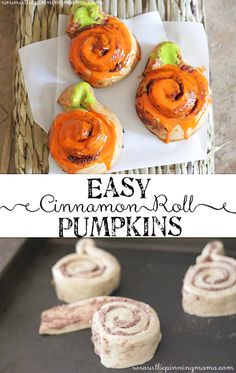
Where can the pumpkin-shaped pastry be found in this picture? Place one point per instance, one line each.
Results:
(173, 97)
(86, 137)
(102, 50)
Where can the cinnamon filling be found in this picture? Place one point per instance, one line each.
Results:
(85, 268)
(136, 317)
(214, 277)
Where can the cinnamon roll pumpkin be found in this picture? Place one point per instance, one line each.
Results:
(173, 97)
(102, 50)
(87, 137)
(88, 273)
(209, 287)
(125, 332)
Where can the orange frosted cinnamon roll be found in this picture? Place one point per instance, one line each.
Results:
(87, 137)
(102, 50)
(173, 97)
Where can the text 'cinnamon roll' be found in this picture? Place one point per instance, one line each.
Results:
(87, 138)
(90, 272)
(209, 287)
(102, 50)
(125, 332)
(172, 97)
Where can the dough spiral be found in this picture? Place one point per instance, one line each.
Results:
(125, 332)
(209, 287)
(88, 273)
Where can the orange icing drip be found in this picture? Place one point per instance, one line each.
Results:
(173, 95)
(101, 51)
(79, 139)
(201, 69)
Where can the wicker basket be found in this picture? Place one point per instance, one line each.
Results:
(39, 22)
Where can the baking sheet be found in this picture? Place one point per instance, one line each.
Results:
(150, 276)
(141, 147)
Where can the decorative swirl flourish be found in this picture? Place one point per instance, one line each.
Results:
(210, 285)
(102, 54)
(125, 332)
(88, 137)
(171, 99)
(89, 273)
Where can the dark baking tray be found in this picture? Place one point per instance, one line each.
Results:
(151, 276)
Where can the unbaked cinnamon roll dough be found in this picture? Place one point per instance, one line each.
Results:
(209, 287)
(70, 317)
(90, 272)
(125, 332)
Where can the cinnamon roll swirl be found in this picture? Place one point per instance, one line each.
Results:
(125, 332)
(103, 50)
(173, 97)
(87, 137)
(209, 287)
(90, 272)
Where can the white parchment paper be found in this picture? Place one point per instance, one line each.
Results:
(47, 73)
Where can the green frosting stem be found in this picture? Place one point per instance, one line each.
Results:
(168, 53)
(82, 97)
(86, 14)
